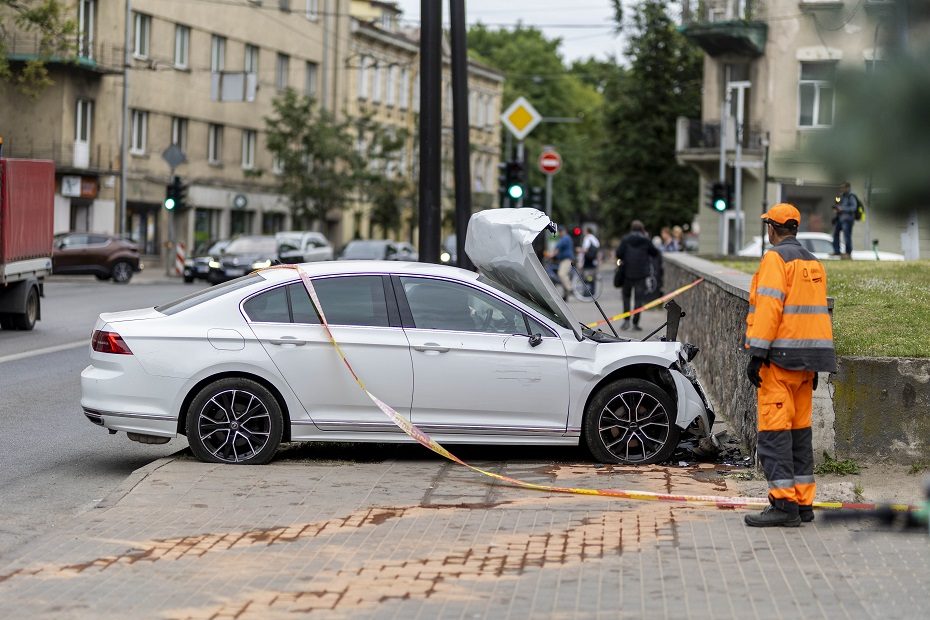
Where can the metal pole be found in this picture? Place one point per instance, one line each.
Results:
(324, 70)
(521, 157)
(765, 186)
(724, 107)
(124, 125)
(738, 171)
(460, 128)
(549, 195)
(430, 129)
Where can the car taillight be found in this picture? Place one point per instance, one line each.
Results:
(109, 342)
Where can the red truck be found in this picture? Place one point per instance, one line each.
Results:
(27, 208)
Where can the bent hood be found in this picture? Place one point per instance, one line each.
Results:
(500, 244)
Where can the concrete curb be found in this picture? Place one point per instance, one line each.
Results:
(133, 480)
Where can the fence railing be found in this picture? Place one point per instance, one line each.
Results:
(695, 134)
(74, 155)
(98, 56)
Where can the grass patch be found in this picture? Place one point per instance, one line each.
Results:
(918, 468)
(881, 309)
(859, 491)
(830, 465)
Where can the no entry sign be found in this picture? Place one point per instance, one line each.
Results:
(550, 162)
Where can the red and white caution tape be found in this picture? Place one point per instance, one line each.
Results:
(650, 305)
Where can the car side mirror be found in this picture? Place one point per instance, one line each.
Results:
(535, 340)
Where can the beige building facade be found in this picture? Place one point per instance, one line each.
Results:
(202, 76)
(383, 81)
(769, 72)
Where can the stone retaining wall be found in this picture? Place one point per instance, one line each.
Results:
(872, 407)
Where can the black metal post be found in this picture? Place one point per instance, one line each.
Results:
(430, 129)
(461, 147)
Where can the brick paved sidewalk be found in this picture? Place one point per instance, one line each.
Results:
(415, 537)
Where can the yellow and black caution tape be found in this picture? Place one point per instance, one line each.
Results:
(650, 305)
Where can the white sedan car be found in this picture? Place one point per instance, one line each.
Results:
(821, 246)
(489, 358)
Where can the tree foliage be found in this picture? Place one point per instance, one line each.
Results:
(534, 69)
(378, 173)
(640, 176)
(49, 31)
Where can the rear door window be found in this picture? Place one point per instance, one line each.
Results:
(269, 307)
(348, 300)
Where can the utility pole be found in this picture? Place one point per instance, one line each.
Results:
(724, 109)
(430, 129)
(124, 125)
(460, 128)
(765, 185)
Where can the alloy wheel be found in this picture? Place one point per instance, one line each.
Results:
(234, 425)
(634, 426)
(122, 272)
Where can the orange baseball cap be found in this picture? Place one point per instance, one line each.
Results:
(781, 213)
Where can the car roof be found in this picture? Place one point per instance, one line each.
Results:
(350, 267)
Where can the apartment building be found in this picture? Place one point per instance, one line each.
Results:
(770, 70)
(202, 75)
(383, 80)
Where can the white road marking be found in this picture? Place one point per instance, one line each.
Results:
(35, 352)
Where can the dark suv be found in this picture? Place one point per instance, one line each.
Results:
(105, 256)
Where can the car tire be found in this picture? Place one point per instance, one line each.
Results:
(631, 421)
(26, 320)
(121, 272)
(250, 437)
(188, 279)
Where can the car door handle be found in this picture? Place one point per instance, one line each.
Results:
(431, 347)
(288, 340)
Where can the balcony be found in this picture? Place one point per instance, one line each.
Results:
(738, 37)
(72, 156)
(699, 141)
(98, 58)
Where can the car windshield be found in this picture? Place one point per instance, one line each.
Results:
(365, 249)
(252, 245)
(217, 247)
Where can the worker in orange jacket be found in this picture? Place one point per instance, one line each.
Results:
(789, 337)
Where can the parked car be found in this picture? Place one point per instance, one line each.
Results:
(303, 247)
(821, 246)
(243, 255)
(489, 358)
(198, 267)
(104, 256)
(378, 249)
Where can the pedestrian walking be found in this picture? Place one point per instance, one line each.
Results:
(678, 239)
(790, 339)
(635, 253)
(590, 246)
(564, 255)
(844, 217)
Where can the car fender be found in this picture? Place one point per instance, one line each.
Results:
(690, 404)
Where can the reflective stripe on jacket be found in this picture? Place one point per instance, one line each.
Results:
(788, 321)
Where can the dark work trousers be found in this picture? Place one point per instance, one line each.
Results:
(629, 288)
(845, 227)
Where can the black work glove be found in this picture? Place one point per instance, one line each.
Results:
(816, 380)
(752, 371)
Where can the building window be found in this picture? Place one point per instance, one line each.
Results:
(313, 9)
(363, 77)
(404, 98)
(215, 144)
(139, 128)
(310, 87)
(142, 34)
(282, 66)
(251, 59)
(83, 120)
(179, 132)
(376, 84)
(86, 15)
(815, 94)
(182, 46)
(217, 53)
(248, 148)
(391, 96)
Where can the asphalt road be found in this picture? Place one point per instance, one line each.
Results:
(53, 462)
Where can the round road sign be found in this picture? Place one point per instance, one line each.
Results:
(550, 162)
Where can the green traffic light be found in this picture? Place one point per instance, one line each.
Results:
(169, 203)
(720, 204)
(515, 192)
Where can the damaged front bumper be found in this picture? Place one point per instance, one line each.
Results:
(695, 413)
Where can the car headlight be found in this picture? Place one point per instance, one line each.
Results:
(445, 257)
(261, 264)
(214, 264)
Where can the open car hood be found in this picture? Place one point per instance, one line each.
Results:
(500, 244)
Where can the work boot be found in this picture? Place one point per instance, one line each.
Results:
(625, 325)
(806, 513)
(772, 517)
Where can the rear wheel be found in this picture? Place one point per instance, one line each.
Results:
(631, 421)
(27, 319)
(121, 272)
(234, 421)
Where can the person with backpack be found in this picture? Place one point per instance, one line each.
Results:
(846, 212)
(636, 255)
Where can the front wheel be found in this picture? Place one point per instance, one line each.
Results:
(26, 320)
(631, 421)
(234, 421)
(121, 272)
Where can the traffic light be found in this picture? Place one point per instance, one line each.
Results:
(516, 186)
(537, 198)
(502, 197)
(175, 195)
(721, 197)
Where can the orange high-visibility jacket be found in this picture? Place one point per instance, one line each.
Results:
(788, 321)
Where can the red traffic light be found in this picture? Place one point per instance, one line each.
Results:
(576, 231)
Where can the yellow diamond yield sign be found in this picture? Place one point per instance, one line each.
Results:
(521, 118)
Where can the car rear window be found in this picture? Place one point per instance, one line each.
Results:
(349, 300)
(201, 296)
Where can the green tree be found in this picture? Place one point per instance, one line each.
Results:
(48, 32)
(378, 172)
(316, 156)
(641, 178)
(534, 69)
